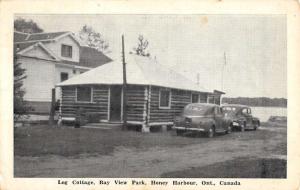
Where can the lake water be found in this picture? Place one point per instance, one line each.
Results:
(263, 113)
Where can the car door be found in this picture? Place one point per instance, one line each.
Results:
(247, 115)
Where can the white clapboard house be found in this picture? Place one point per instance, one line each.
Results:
(50, 58)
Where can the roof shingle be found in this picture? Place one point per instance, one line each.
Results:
(23, 37)
(20, 36)
(44, 36)
(90, 57)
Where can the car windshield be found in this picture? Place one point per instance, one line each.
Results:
(194, 110)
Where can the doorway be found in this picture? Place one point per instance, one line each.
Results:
(115, 103)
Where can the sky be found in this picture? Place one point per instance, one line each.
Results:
(254, 65)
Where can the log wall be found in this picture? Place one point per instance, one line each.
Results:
(136, 103)
(142, 103)
(99, 105)
(179, 99)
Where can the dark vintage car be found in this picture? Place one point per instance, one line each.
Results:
(241, 116)
(200, 117)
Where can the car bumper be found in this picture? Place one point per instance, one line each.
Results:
(188, 128)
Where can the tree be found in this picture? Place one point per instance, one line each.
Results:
(25, 26)
(142, 46)
(93, 39)
(20, 107)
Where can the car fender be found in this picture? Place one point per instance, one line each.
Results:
(207, 124)
(255, 119)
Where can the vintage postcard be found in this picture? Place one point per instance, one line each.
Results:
(145, 95)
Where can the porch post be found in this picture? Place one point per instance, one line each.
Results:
(52, 110)
(124, 87)
(59, 122)
(145, 125)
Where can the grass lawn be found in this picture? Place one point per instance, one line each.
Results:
(69, 141)
(44, 151)
(237, 168)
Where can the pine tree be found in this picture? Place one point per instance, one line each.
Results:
(26, 26)
(94, 39)
(142, 47)
(20, 107)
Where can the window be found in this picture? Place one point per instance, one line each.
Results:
(217, 100)
(64, 76)
(84, 94)
(203, 98)
(195, 98)
(211, 100)
(66, 51)
(164, 99)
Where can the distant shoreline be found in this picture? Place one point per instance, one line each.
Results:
(269, 106)
(257, 102)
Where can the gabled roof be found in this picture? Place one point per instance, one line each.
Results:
(44, 36)
(20, 37)
(19, 47)
(90, 57)
(42, 46)
(140, 71)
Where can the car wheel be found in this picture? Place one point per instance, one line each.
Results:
(255, 127)
(211, 132)
(229, 129)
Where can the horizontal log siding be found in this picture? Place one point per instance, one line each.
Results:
(135, 103)
(99, 104)
(179, 99)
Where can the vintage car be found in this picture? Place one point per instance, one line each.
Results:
(241, 116)
(204, 118)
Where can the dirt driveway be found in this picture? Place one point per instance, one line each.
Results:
(154, 161)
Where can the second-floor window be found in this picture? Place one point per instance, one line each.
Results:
(66, 51)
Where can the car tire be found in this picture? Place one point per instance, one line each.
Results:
(229, 129)
(211, 132)
(255, 127)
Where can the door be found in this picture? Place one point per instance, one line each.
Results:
(115, 103)
(247, 114)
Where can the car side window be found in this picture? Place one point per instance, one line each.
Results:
(249, 111)
(244, 111)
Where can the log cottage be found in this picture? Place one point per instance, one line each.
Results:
(155, 94)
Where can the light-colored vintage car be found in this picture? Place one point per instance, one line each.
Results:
(202, 117)
(241, 116)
